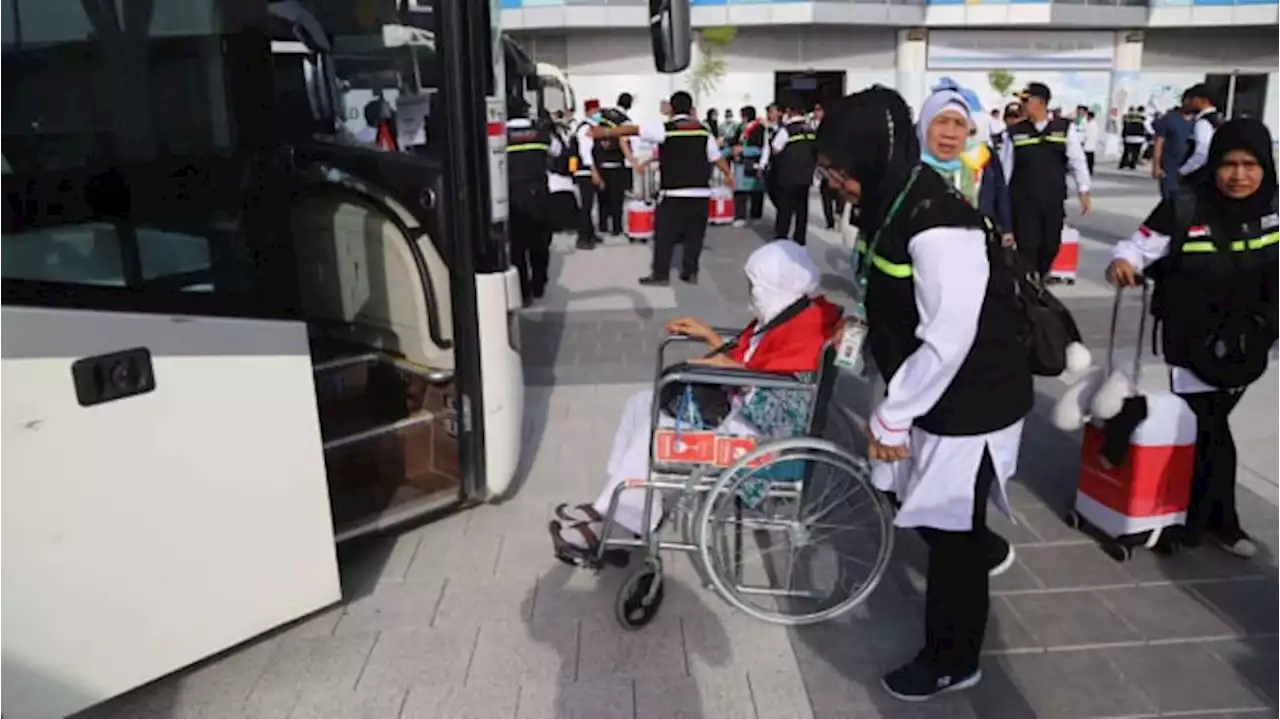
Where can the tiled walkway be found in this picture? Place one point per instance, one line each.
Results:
(470, 617)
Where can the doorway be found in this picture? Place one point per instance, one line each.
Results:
(1239, 94)
(809, 87)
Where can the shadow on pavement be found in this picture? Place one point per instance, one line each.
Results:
(614, 672)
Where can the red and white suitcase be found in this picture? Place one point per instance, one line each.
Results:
(1131, 504)
(720, 211)
(639, 219)
(1067, 261)
(640, 212)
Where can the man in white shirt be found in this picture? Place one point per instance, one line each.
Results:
(791, 158)
(1042, 152)
(1092, 134)
(1207, 119)
(687, 151)
(587, 176)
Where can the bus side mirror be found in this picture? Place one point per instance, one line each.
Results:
(671, 34)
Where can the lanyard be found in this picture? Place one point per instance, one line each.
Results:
(863, 268)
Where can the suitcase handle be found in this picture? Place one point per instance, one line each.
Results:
(1142, 331)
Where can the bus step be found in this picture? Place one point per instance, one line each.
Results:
(363, 435)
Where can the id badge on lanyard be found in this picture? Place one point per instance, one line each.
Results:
(853, 334)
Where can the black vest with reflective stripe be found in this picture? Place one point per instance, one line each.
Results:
(682, 157)
(799, 157)
(560, 165)
(1040, 161)
(527, 151)
(608, 150)
(993, 388)
(1214, 119)
(1212, 272)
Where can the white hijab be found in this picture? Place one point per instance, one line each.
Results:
(936, 104)
(780, 272)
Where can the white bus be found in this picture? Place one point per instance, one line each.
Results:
(234, 331)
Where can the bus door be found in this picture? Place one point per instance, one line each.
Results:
(416, 295)
(164, 484)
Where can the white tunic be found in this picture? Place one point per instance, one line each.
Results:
(936, 483)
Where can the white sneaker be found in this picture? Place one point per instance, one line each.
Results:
(739, 223)
(1242, 547)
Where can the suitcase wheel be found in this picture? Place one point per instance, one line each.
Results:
(1072, 519)
(1118, 552)
(1070, 280)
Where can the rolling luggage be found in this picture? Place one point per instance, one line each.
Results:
(1067, 261)
(640, 211)
(1130, 493)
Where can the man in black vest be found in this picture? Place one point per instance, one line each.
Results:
(1133, 133)
(529, 147)
(687, 150)
(791, 153)
(560, 180)
(587, 176)
(1041, 152)
(1206, 122)
(832, 205)
(612, 156)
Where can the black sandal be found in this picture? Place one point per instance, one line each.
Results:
(565, 513)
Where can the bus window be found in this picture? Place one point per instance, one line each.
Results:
(127, 184)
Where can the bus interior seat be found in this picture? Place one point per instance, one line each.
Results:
(360, 284)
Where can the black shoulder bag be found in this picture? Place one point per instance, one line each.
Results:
(706, 406)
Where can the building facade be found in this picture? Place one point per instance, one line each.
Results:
(1105, 54)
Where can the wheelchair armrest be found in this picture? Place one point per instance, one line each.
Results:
(733, 377)
(669, 339)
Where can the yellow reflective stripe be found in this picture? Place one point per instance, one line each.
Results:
(1028, 141)
(1255, 243)
(688, 133)
(528, 147)
(885, 266)
(799, 138)
(1051, 138)
(607, 122)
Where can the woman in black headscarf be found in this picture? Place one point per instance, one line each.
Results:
(1212, 250)
(942, 329)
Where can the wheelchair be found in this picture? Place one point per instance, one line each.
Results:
(727, 495)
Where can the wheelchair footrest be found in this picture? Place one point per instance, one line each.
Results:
(576, 556)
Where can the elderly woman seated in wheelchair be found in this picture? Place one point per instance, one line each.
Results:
(759, 386)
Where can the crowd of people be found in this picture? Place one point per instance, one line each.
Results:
(939, 211)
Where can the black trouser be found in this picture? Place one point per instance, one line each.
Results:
(564, 211)
(793, 204)
(529, 232)
(956, 601)
(771, 185)
(1129, 157)
(748, 205)
(1213, 487)
(681, 220)
(617, 180)
(832, 207)
(1037, 228)
(586, 198)
(1088, 161)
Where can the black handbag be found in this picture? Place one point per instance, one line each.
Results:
(706, 406)
(1047, 325)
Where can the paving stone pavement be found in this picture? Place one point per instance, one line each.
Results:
(470, 617)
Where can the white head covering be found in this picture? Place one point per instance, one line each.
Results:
(780, 272)
(944, 100)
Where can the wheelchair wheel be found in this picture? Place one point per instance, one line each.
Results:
(641, 596)
(809, 545)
